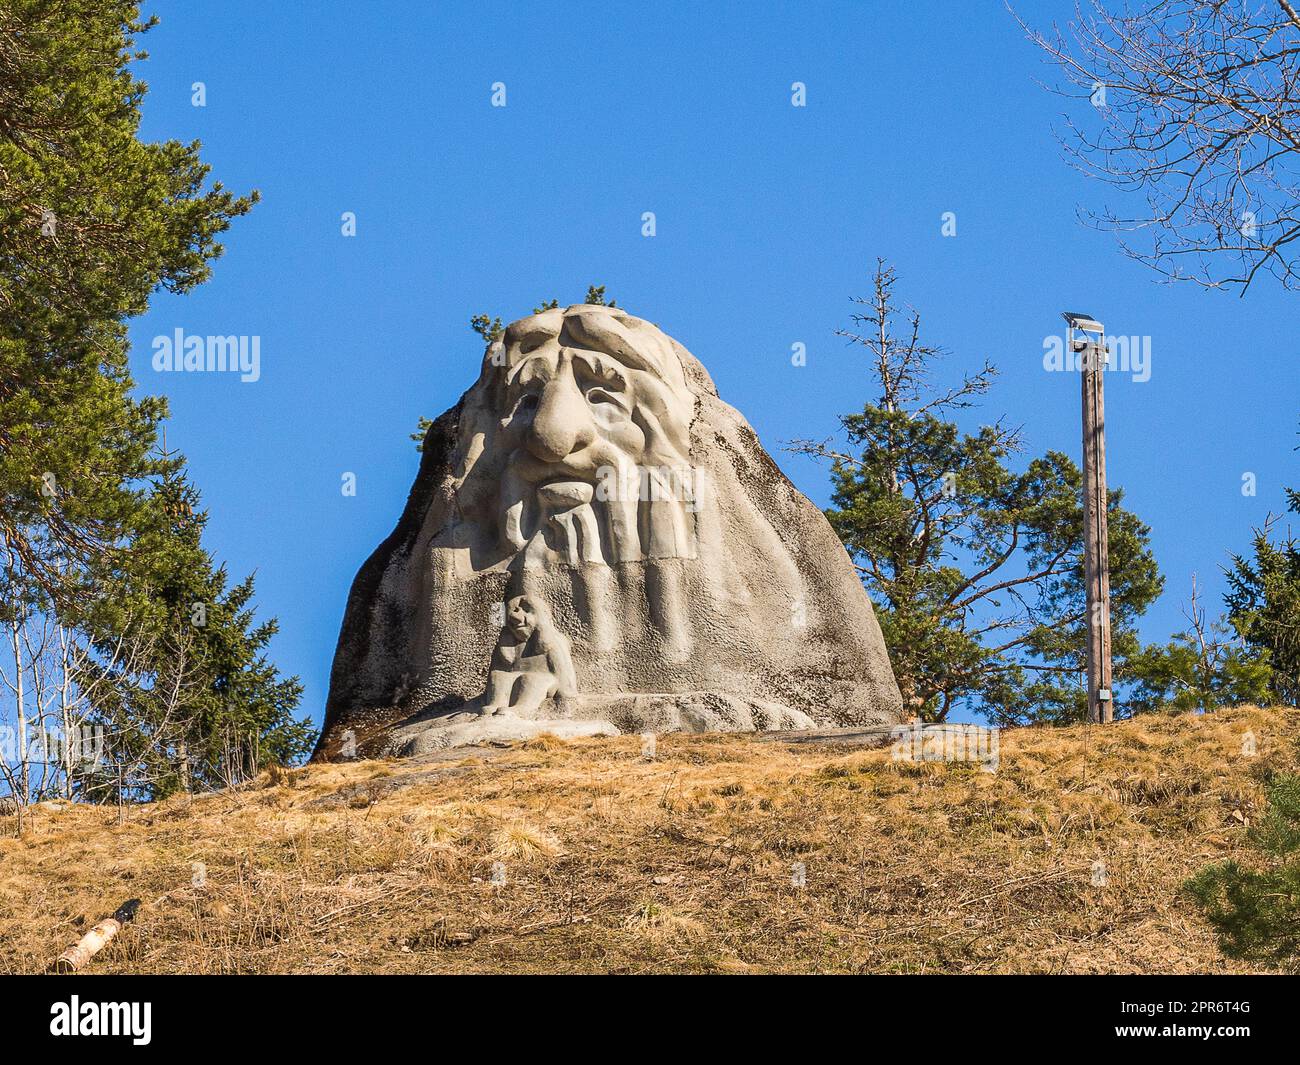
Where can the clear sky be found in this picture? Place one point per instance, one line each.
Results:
(769, 217)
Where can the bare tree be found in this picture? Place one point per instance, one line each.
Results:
(1194, 105)
(64, 728)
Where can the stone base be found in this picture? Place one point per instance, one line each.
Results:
(596, 715)
(697, 711)
(472, 729)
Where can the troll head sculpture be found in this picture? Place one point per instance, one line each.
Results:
(593, 478)
(593, 406)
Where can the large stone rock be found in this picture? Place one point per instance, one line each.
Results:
(595, 536)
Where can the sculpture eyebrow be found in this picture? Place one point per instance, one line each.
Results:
(537, 334)
(581, 332)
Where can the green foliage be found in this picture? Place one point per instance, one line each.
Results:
(1256, 912)
(76, 447)
(1060, 640)
(490, 329)
(421, 431)
(1202, 668)
(1263, 601)
(98, 527)
(975, 567)
(200, 701)
(92, 220)
(127, 216)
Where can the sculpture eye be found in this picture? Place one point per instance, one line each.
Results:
(525, 404)
(602, 395)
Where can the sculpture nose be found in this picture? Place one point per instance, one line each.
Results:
(562, 424)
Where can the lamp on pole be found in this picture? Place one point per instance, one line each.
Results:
(1086, 336)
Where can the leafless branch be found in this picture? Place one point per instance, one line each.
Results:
(1195, 106)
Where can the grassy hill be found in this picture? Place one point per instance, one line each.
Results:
(605, 861)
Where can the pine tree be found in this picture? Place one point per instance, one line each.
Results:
(99, 529)
(1202, 668)
(92, 221)
(1256, 912)
(975, 567)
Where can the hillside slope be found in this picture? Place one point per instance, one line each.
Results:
(606, 861)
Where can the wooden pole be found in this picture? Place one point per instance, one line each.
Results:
(1096, 544)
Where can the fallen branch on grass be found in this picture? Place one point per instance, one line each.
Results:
(96, 939)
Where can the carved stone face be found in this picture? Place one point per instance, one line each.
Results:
(521, 618)
(594, 408)
(573, 409)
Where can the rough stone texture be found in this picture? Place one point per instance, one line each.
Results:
(592, 516)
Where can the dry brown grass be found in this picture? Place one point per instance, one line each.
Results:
(584, 857)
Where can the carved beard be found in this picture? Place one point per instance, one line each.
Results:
(629, 512)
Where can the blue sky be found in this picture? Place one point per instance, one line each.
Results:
(769, 218)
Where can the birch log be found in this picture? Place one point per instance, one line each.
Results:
(96, 939)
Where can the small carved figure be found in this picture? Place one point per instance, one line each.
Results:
(531, 662)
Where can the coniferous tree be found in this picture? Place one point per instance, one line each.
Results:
(93, 220)
(1263, 603)
(198, 703)
(975, 567)
(1256, 912)
(1202, 668)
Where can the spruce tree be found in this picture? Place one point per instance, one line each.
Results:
(1256, 911)
(1263, 603)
